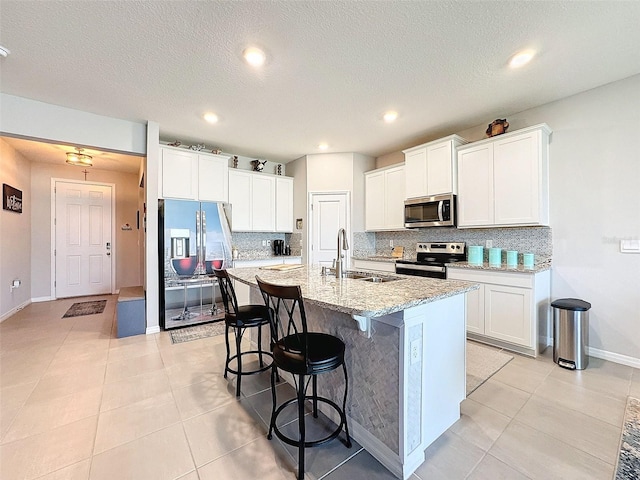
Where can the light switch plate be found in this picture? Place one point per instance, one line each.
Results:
(630, 246)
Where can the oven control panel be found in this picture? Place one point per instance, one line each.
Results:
(456, 248)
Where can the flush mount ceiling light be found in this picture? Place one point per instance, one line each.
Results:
(79, 159)
(390, 116)
(210, 117)
(254, 56)
(4, 52)
(520, 59)
(323, 146)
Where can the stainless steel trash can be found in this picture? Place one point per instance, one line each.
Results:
(571, 333)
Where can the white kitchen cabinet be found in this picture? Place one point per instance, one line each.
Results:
(510, 310)
(372, 266)
(190, 175)
(213, 178)
(375, 201)
(240, 199)
(504, 181)
(179, 174)
(284, 204)
(253, 201)
(431, 168)
(475, 186)
(384, 199)
(263, 203)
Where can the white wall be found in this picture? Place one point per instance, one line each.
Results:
(298, 170)
(15, 233)
(29, 118)
(330, 172)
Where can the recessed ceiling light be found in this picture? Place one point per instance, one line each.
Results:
(4, 51)
(254, 56)
(390, 117)
(521, 58)
(211, 117)
(323, 146)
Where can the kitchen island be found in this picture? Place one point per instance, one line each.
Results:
(405, 354)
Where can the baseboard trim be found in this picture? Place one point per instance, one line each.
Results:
(614, 357)
(151, 330)
(42, 299)
(14, 310)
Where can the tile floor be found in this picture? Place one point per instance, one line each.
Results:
(78, 403)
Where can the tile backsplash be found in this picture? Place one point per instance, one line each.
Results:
(249, 244)
(536, 240)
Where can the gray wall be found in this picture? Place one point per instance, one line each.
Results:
(15, 233)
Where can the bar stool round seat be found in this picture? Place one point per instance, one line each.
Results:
(303, 354)
(238, 319)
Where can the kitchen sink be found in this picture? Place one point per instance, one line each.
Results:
(355, 275)
(379, 279)
(373, 278)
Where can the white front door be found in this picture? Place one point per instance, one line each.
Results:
(83, 248)
(329, 213)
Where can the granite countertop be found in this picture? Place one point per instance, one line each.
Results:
(358, 297)
(250, 258)
(377, 258)
(538, 267)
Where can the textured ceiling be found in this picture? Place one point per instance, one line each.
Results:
(333, 67)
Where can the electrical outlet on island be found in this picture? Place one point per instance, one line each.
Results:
(488, 244)
(391, 243)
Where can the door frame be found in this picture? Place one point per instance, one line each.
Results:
(114, 244)
(310, 197)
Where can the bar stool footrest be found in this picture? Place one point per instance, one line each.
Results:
(314, 443)
(264, 368)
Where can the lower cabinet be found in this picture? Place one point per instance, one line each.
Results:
(510, 310)
(370, 265)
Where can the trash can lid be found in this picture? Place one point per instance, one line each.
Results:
(571, 304)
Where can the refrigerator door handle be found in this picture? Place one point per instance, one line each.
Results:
(199, 258)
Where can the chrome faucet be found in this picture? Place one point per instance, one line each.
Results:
(339, 256)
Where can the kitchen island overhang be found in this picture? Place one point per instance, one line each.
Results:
(406, 371)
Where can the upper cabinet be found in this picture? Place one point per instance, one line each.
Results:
(260, 202)
(384, 198)
(431, 168)
(504, 181)
(190, 175)
(284, 204)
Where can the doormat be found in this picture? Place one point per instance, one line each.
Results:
(629, 458)
(196, 332)
(86, 308)
(482, 363)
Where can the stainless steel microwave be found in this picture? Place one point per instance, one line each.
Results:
(436, 211)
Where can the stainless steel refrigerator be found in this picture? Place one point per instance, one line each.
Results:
(194, 238)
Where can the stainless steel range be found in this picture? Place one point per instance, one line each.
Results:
(432, 258)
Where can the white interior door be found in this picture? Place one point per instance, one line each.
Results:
(329, 213)
(83, 244)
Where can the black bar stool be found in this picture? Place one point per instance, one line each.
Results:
(239, 318)
(303, 354)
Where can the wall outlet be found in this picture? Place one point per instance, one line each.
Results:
(415, 351)
(488, 243)
(268, 243)
(264, 243)
(391, 243)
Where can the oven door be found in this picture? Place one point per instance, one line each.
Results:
(416, 269)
